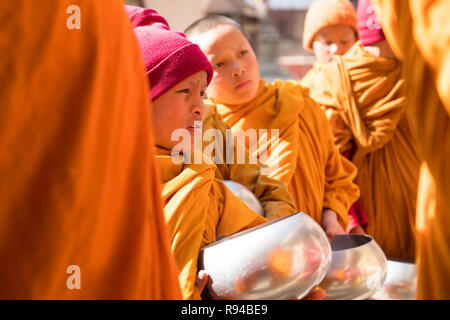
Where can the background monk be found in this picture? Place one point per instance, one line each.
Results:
(330, 29)
(363, 96)
(304, 156)
(78, 185)
(273, 195)
(419, 33)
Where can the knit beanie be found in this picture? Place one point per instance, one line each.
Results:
(324, 13)
(169, 57)
(140, 17)
(369, 28)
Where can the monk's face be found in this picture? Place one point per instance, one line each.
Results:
(333, 40)
(236, 70)
(179, 108)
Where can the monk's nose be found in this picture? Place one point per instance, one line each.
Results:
(334, 48)
(199, 109)
(237, 70)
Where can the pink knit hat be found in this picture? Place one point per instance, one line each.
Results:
(169, 57)
(141, 17)
(369, 28)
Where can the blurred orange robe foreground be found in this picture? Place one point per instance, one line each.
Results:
(363, 97)
(199, 209)
(419, 33)
(78, 182)
(305, 157)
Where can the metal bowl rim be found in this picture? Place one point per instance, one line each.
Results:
(255, 228)
(370, 242)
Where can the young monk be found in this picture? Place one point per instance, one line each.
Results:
(419, 33)
(330, 29)
(80, 207)
(363, 95)
(273, 195)
(304, 157)
(198, 208)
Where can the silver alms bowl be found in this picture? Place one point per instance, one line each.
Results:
(281, 259)
(245, 195)
(401, 282)
(358, 268)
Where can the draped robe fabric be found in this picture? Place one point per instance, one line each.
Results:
(273, 195)
(419, 33)
(364, 99)
(304, 155)
(198, 210)
(80, 207)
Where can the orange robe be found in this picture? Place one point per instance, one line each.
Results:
(78, 181)
(363, 97)
(199, 209)
(309, 77)
(419, 33)
(305, 157)
(273, 195)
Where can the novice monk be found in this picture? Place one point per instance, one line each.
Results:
(80, 207)
(419, 33)
(330, 29)
(273, 195)
(363, 96)
(198, 208)
(305, 157)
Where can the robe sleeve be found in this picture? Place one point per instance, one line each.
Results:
(370, 128)
(340, 191)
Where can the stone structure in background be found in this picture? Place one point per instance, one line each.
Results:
(275, 28)
(181, 13)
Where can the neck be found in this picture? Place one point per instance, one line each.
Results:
(380, 49)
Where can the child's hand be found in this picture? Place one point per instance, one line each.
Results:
(202, 280)
(330, 223)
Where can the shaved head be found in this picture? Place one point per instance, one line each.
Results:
(208, 23)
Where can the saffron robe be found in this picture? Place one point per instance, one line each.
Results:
(419, 33)
(79, 189)
(198, 209)
(273, 195)
(303, 155)
(363, 97)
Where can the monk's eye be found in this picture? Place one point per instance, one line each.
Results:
(218, 65)
(243, 52)
(202, 93)
(186, 91)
